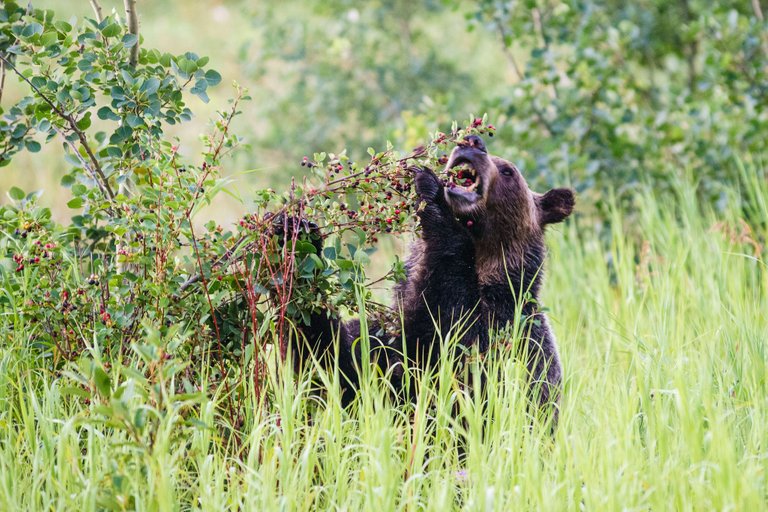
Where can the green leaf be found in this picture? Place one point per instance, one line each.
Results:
(212, 77)
(317, 261)
(63, 26)
(106, 113)
(134, 121)
(85, 122)
(76, 202)
(67, 180)
(85, 65)
(39, 81)
(329, 252)
(32, 146)
(130, 40)
(147, 352)
(186, 66)
(199, 90)
(362, 258)
(102, 382)
(117, 92)
(150, 86)
(111, 30)
(16, 194)
(31, 29)
(49, 38)
(122, 134)
(127, 76)
(304, 247)
(153, 56)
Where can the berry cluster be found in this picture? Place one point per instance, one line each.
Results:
(378, 197)
(37, 253)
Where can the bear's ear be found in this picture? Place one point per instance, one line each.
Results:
(555, 205)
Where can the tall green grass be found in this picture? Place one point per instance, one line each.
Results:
(662, 324)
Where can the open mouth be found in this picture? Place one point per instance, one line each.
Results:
(463, 177)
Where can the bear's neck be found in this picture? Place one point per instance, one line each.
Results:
(511, 264)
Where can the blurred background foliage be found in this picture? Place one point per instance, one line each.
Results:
(601, 95)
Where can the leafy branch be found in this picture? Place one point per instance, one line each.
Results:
(92, 166)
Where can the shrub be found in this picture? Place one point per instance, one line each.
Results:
(134, 260)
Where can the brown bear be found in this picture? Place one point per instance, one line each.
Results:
(478, 262)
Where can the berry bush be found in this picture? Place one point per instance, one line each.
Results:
(134, 263)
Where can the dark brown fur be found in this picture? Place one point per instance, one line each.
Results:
(479, 258)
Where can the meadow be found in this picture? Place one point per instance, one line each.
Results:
(656, 288)
(662, 330)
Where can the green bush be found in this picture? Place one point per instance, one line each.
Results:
(133, 259)
(615, 95)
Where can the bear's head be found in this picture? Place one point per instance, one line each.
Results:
(490, 196)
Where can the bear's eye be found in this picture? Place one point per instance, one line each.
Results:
(507, 171)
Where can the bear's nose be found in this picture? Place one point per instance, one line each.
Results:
(476, 142)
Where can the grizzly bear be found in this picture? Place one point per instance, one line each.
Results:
(477, 262)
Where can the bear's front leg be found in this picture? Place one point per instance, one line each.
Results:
(435, 215)
(440, 297)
